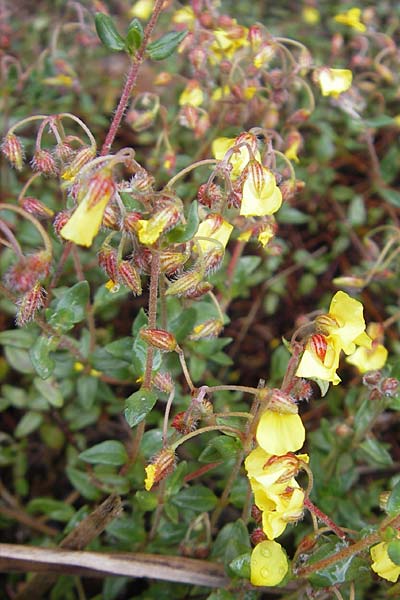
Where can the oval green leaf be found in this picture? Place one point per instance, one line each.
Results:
(108, 33)
(166, 45)
(110, 452)
(138, 405)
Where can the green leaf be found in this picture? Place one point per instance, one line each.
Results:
(197, 498)
(223, 446)
(82, 484)
(241, 565)
(376, 452)
(138, 405)
(380, 121)
(121, 348)
(110, 452)
(347, 569)
(184, 233)
(18, 338)
(40, 356)
(166, 45)
(147, 501)
(390, 195)
(29, 422)
(394, 551)
(134, 36)
(49, 391)
(393, 503)
(87, 388)
(231, 543)
(54, 509)
(75, 301)
(18, 359)
(108, 33)
(292, 216)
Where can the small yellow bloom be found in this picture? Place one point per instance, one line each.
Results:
(142, 9)
(310, 15)
(261, 195)
(221, 92)
(345, 321)
(289, 507)
(266, 235)
(85, 222)
(112, 286)
(268, 564)
(371, 359)
(227, 42)
(78, 366)
(334, 82)
(150, 477)
(238, 159)
(313, 366)
(192, 95)
(280, 433)
(184, 15)
(268, 469)
(382, 565)
(352, 19)
(63, 80)
(215, 228)
(249, 92)
(263, 56)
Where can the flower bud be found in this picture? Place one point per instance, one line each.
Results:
(185, 284)
(64, 150)
(185, 421)
(107, 258)
(34, 207)
(208, 329)
(81, 158)
(13, 150)
(209, 195)
(44, 163)
(161, 222)
(59, 221)
(389, 386)
(170, 262)
(372, 378)
(142, 259)
(257, 536)
(128, 275)
(23, 275)
(29, 304)
(199, 290)
(256, 513)
(131, 221)
(282, 403)
(163, 381)
(159, 338)
(159, 468)
(111, 218)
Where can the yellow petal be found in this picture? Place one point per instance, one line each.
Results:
(312, 367)
(280, 433)
(369, 360)
(260, 197)
(142, 9)
(268, 564)
(335, 81)
(348, 313)
(351, 18)
(150, 476)
(382, 565)
(215, 228)
(84, 223)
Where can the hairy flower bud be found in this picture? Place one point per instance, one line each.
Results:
(35, 207)
(131, 219)
(111, 218)
(186, 421)
(184, 284)
(170, 262)
(13, 150)
(199, 290)
(163, 381)
(107, 258)
(128, 275)
(209, 195)
(390, 386)
(23, 275)
(257, 536)
(30, 303)
(159, 338)
(282, 403)
(59, 221)
(159, 468)
(208, 329)
(81, 158)
(43, 162)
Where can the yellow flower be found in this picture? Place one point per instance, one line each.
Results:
(192, 95)
(221, 92)
(268, 564)
(215, 228)
(382, 565)
(142, 9)
(184, 15)
(261, 195)
(150, 477)
(227, 42)
(268, 469)
(352, 19)
(370, 359)
(310, 15)
(85, 222)
(289, 506)
(345, 321)
(334, 82)
(240, 158)
(279, 433)
(320, 364)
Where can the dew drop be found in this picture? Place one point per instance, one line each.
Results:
(265, 572)
(265, 552)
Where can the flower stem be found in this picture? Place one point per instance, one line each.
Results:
(131, 79)
(200, 163)
(35, 223)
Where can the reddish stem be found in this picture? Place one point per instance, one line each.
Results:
(131, 79)
(325, 519)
